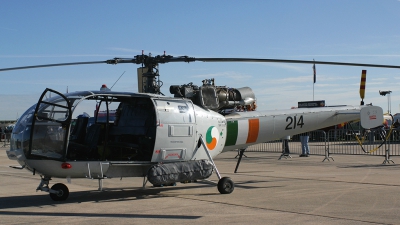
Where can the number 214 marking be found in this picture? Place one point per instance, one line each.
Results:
(293, 122)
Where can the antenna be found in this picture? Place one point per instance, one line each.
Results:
(117, 80)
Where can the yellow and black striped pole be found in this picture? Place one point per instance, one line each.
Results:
(362, 85)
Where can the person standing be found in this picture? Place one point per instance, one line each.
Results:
(305, 150)
(285, 147)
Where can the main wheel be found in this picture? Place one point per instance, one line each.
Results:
(225, 185)
(62, 194)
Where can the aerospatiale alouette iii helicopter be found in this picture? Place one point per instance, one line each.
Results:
(162, 139)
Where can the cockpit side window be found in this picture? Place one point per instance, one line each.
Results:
(127, 135)
(133, 133)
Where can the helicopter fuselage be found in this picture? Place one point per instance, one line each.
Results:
(128, 133)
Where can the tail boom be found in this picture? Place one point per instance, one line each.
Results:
(248, 128)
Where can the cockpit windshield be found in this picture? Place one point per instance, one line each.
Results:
(21, 132)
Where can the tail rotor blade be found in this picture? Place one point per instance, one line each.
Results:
(362, 85)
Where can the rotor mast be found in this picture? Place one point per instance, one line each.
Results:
(149, 72)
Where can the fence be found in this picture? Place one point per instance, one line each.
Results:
(339, 141)
(317, 144)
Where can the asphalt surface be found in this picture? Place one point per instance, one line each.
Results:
(300, 190)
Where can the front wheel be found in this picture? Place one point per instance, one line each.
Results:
(62, 190)
(225, 185)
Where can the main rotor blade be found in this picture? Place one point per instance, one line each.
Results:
(51, 65)
(292, 61)
(151, 60)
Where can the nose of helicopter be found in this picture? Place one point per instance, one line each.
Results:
(20, 136)
(16, 154)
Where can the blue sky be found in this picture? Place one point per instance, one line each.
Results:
(361, 31)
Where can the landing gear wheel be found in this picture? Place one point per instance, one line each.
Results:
(62, 194)
(225, 185)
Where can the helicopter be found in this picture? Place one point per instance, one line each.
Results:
(162, 139)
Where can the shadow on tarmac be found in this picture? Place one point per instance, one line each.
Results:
(76, 197)
(108, 195)
(107, 215)
(383, 166)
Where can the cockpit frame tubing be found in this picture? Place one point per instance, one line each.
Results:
(106, 100)
(91, 95)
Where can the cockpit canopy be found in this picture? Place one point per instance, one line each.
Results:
(81, 125)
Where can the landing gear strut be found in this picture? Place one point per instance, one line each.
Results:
(58, 192)
(225, 184)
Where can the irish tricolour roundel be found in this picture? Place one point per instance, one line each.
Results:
(212, 137)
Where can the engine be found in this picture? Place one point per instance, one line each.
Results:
(216, 98)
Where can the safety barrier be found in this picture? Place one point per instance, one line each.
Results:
(340, 141)
(370, 142)
(317, 144)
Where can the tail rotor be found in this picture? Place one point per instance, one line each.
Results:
(362, 85)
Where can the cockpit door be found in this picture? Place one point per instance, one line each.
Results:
(176, 129)
(50, 126)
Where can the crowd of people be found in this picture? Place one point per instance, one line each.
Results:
(5, 133)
